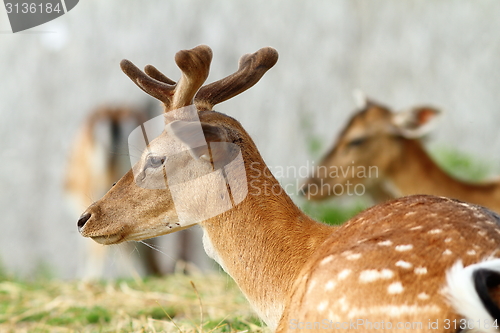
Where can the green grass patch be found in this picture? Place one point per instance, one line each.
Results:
(233, 325)
(164, 304)
(462, 165)
(159, 313)
(331, 212)
(35, 317)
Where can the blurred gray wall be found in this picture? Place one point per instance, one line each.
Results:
(445, 53)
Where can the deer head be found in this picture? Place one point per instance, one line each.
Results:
(367, 148)
(156, 196)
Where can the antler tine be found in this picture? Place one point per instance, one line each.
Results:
(157, 75)
(159, 90)
(250, 69)
(194, 65)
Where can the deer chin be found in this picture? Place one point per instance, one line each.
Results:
(143, 234)
(108, 239)
(138, 234)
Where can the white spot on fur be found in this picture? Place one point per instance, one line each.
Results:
(371, 275)
(402, 248)
(326, 260)
(471, 252)
(386, 274)
(404, 264)
(432, 215)
(353, 256)
(330, 285)
(435, 231)
(423, 296)
(344, 305)
(420, 270)
(312, 284)
(385, 243)
(344, 274)
(448, 239)
(410, 214)
(482, 233)
(418, 227)
(322, 306)
(346, 253)
(395, 288)
(447, 252)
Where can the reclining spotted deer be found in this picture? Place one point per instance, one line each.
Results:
(382, 151)
(418, 259)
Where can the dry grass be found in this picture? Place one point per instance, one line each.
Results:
(167, 304)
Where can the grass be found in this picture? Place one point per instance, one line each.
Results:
(331, 213)
(167, 304)
(461, 165)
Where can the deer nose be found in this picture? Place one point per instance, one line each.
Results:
(82, 220)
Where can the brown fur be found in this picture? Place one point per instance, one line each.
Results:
(431, 225)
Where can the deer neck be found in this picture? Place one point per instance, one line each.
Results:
(263, 243)
(416, 173)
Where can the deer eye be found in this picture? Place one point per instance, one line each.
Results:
(356, 142)
(154, 161)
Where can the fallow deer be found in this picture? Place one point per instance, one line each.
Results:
(381, 151)
(423, 260)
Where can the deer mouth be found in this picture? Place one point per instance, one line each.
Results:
(108, 239)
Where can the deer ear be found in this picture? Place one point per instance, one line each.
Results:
(360, 98)
(198, 137)
(416, 122)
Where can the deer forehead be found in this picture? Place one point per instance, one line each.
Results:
(363, 128)
(164, 145)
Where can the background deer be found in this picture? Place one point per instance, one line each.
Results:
(397, 262)
(99, 157)
(387, 146)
